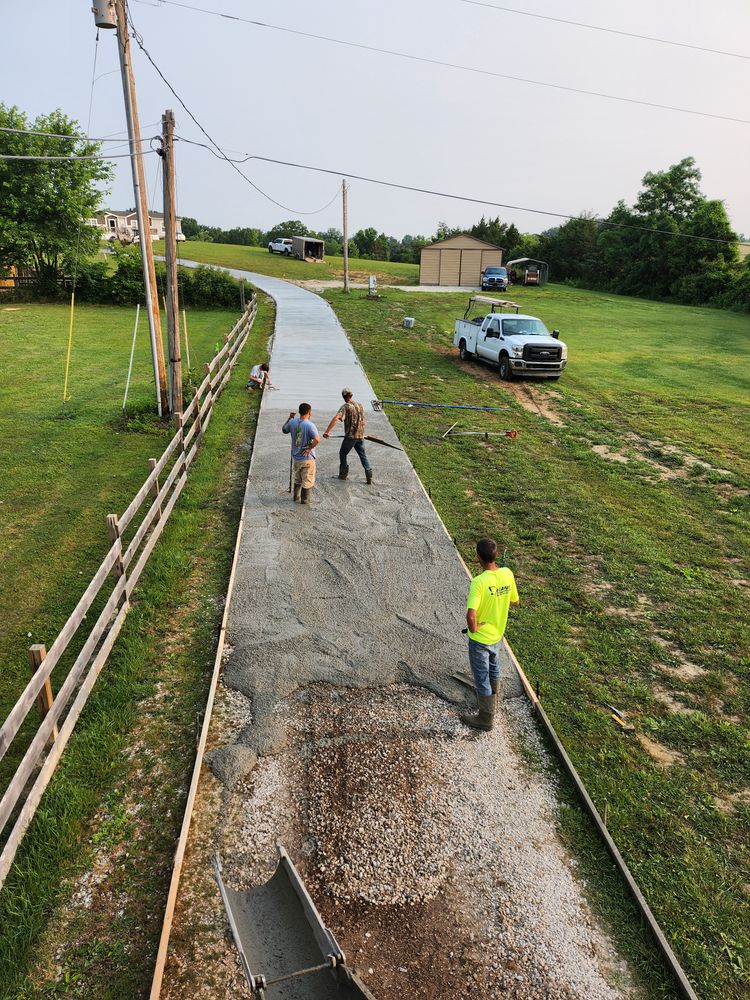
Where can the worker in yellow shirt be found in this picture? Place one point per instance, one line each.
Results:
(490, 595)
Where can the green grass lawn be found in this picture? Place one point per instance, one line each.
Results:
(114, 804)
(260, 260)
(634, 574)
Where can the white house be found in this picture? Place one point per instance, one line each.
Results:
(123, 226)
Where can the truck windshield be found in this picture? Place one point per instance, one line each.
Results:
(496, 270)
(520, 326)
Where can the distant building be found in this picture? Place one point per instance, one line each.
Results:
(459, 260)
(123, 226)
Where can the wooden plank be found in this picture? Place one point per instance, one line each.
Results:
(190, 434)
(48, 768)
(148, 548)
(143, 492)
(154, 514)
(26, 767)
(179, 857)
(21, 708)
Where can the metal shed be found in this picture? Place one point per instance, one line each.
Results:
(458, 260)
(528, 271)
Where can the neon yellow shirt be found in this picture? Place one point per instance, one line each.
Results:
(490, 595)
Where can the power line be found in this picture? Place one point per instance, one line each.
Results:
(458, 66)
(460, 197)
(610, 31)
(60, 135)
(139, 40)
(113, 156)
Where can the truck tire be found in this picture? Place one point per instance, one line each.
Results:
(504, 369)
(270, 250)
(462, 352)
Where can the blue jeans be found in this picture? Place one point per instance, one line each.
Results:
(485, 665)
(359, 446)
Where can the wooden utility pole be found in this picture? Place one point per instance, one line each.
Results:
(345, 207)
(170, 243)
(141, 206)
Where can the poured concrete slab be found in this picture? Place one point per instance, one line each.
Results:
(362, 587)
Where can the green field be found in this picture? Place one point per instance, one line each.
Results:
(627, 525)
(259, 259)
(114, 803)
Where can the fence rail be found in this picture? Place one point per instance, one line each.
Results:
(123, 565)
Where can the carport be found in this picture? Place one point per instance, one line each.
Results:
(528, 271)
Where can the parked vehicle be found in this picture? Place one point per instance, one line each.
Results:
(281, 246)
(517, 344)
(308, 248)
(494, 277)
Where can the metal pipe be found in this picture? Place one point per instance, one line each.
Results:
(377, 404)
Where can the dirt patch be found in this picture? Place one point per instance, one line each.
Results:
(603, 451)
(661, 755)
(668, 699)
(685, 669)
(729, 804)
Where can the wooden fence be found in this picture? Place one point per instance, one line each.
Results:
(132, 537)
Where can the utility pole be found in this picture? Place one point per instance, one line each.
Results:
(345, 207)
(141, 206)
(170, 243)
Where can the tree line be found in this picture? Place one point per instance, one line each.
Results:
(673, 243)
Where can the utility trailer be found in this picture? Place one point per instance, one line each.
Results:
(277, 929)
(308, 248)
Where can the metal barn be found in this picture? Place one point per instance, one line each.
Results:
(459, 260)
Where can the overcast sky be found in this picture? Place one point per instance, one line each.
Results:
(310, 101)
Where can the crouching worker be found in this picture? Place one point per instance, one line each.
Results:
(490, 595)
(305, 437)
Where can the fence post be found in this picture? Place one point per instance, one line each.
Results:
(181, 444)
(44, 699)
(118, 570)
(210, 392)
(198, 419)
(155, 488)
(242, 294)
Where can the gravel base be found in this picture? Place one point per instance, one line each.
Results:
(431, 851)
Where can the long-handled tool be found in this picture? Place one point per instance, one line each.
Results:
(291, 463)
(369, 437)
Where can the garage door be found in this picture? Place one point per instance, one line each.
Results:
(471, 265)
(492, 258)
(450, 267)
(429, 271)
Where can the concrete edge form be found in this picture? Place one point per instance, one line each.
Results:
(179, 855)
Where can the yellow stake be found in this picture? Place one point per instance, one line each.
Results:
(70, 345)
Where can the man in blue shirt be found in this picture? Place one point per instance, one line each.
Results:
(305, 437)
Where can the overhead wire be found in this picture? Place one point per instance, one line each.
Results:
(459, 197)
(457, 66)
(60, 135)
(296, 211)
(610, 31)
(73, 156)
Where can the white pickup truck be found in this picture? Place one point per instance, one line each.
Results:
(281, 245)
(517, 344)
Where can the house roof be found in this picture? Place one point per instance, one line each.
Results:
(462, 236)
(131, 215)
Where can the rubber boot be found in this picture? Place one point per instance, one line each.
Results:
(297, 491)
(368, 477)
(485, 717)
(343, 471)
(305, 496)
(495, 684)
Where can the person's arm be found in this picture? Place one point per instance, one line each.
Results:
(471, 620)
(286, 429)
(472, 605)
(267, 380)
(332, 424)
(513, 592)
(311, 444)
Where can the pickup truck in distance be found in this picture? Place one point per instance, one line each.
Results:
(495, 277)
(281, 246)
(517, 344)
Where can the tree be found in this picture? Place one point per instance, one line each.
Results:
(189, 228)
(292, 227)
(45, 205)
(365, 240)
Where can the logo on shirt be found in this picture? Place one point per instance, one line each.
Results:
(499, 591)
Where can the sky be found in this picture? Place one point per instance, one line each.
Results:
(276, 94)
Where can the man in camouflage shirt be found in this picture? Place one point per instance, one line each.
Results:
(353, 415)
